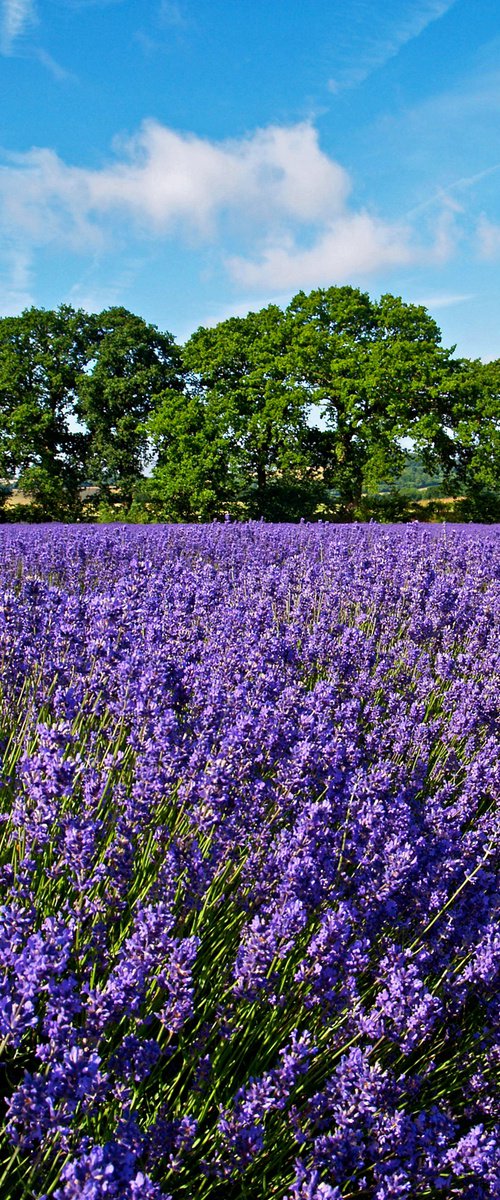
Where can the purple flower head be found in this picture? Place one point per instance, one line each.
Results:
(404, 1009)
(476, 1157)
(251, 788)
(307, 1186)
(107, 1172)
(265, 940)
(243, 1126)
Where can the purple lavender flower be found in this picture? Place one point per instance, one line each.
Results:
(251, 789)
(108, 1171)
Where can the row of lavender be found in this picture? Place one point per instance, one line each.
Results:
(248, 937)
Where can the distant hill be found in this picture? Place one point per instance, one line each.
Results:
(415, 479)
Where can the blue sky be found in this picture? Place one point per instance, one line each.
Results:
(193, 159)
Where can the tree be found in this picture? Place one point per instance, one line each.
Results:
(476, 440)
(263, 415)
(132, 364)
(192, 479)
(377, 373)
(241, 372)
(42, 355)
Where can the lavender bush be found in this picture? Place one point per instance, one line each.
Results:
(249, 836)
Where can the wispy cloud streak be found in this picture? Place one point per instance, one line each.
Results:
(16, 281)
(383, 41)
(17, 16)
(488, 239)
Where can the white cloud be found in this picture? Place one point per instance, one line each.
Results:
(17, 16)
(171, 14)
(445, 300)
(169, 177)
(488, 239)
(161, 178)
(42, 201)
(446, 230)
(274, 195)
(385, 31)
(16, 292)
(58, 72)
(351, 246)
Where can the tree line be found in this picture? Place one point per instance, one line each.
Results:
(287, 413)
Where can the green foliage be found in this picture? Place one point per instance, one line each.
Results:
(193, 479)
(377, 373)
(415, 479)
(284, 415)
(389, 507)
(42, 355)
(243, 379)
(51, 494)
(478, 435)
(132, 364)
(481, 504)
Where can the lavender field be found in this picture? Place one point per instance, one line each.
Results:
(249, 838)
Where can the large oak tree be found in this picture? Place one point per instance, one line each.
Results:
(377, 373)
(42, 357)
(131, 366)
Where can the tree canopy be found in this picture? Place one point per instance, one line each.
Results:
(377, 373)
(42, 356)
(132, 364)
(292, 412)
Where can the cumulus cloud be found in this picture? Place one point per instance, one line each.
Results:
(350, 246)
(162, 178)
(44, 200)
(275, 196)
